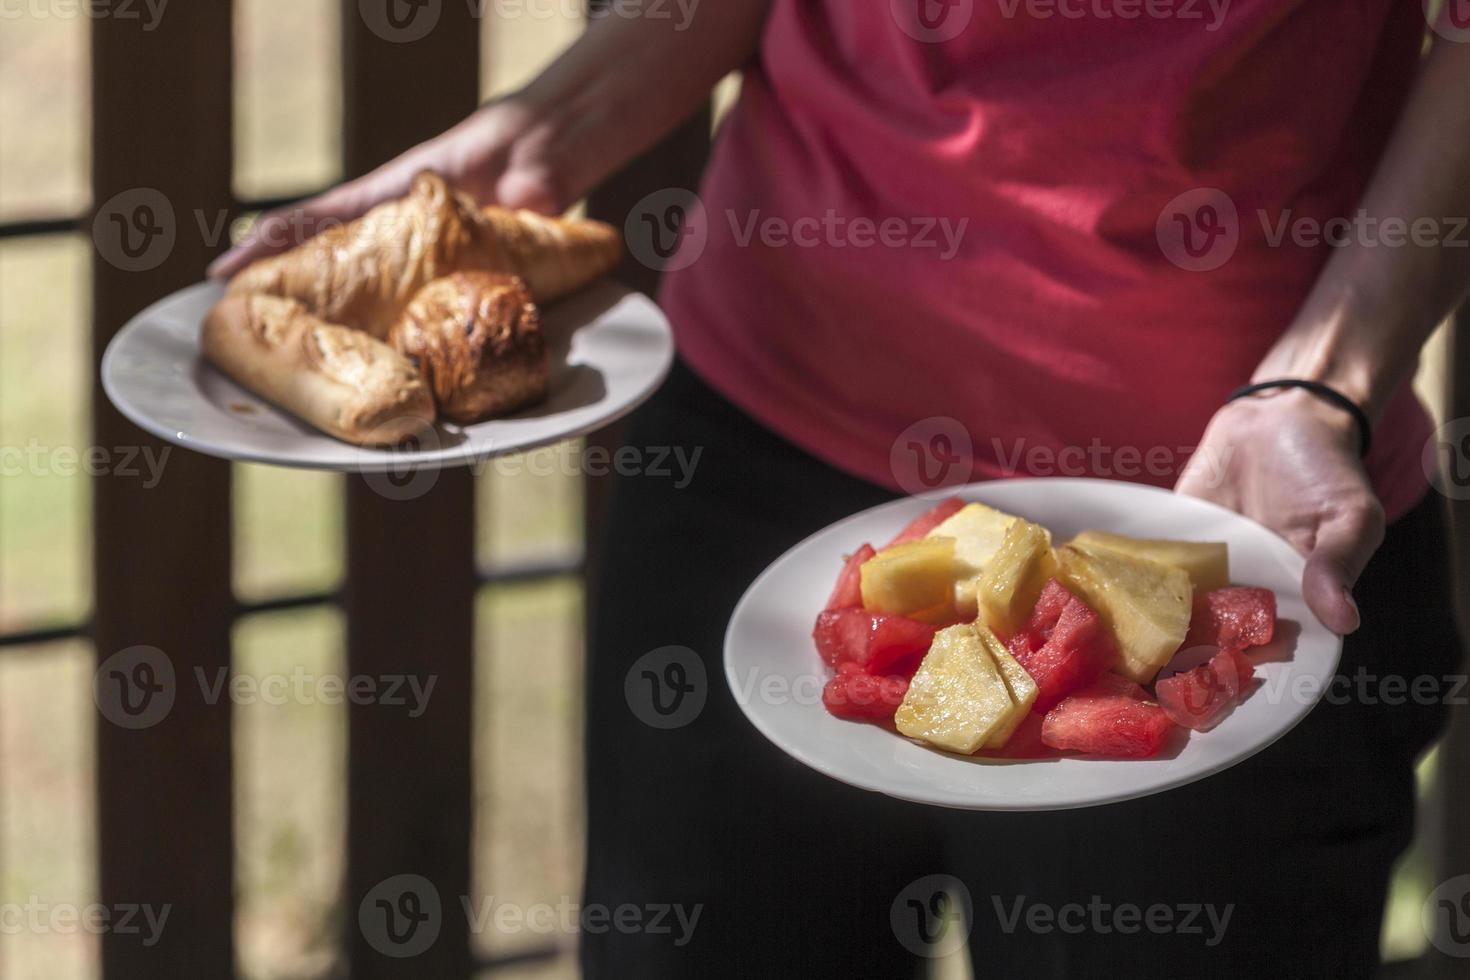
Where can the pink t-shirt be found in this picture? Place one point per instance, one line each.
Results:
(967, 239)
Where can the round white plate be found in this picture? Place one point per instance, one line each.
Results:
(776, 675)
(610, 348)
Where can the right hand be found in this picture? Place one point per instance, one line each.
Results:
(503, 153)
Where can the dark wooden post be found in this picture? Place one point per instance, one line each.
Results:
(409, 71)
(161, 566)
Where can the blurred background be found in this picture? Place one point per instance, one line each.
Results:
(290, 759)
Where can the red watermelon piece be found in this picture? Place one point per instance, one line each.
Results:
(1244, 669)
(928, 521)
(1199, 698)
(1099, 722)
(878, 643)
(1069, 654)
(1025, 742)
(848, 593)
(856, 694)
(1233, 618)
(1118, 684)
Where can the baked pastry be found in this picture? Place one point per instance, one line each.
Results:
(364, 273)
(476, 339)
(340, 380)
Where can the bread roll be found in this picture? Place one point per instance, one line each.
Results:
(338, 379)
(476, 339)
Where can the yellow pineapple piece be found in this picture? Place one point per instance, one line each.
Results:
(958, 698)
(978, 531)
(913, 579)
(1145, 603)
(1018, 683)
(1207, 562)
(1013, 579)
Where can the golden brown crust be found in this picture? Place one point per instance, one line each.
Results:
(476, 338)
(339, 379)
(365, 273)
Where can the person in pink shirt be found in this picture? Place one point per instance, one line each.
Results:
(953, 240)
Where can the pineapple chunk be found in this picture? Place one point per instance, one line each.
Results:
(914, 579)
(1145, 603)
(1022, 688)
(958, 698)
(1013, 579)
(1207, 562)
(978, 532)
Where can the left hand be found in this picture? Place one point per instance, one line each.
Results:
(1290, 461)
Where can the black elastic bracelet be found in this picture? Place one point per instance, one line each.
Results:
(1326, 393)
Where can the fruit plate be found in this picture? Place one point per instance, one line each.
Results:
(776, 675)
(610, 348)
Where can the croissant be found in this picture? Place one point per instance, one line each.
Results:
(339, 379)
(366, 272)
(476, 340)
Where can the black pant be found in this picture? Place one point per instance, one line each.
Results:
(793, 874)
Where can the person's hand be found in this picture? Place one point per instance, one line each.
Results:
(504, 153)
(1290, 461)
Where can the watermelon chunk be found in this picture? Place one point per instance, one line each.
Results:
(856, 694)
(1244, 669)
(879, 643)
(928, 521)
(1199, 698)
(1099, 722)
(1118, 684)
(848, 593)
(1025, 742)
(1069, 654)
(1233, 618)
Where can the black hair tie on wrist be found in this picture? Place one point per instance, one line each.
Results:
(1325, 392)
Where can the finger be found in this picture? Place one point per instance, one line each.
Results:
(1345, 542)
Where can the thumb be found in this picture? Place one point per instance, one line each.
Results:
(1346, 540)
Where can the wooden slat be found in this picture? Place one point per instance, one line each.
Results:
(411, 570)
(161, 137)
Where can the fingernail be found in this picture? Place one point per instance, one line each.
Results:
(1353, 605)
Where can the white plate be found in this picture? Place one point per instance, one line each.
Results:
(774, 671)
(610, 348)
